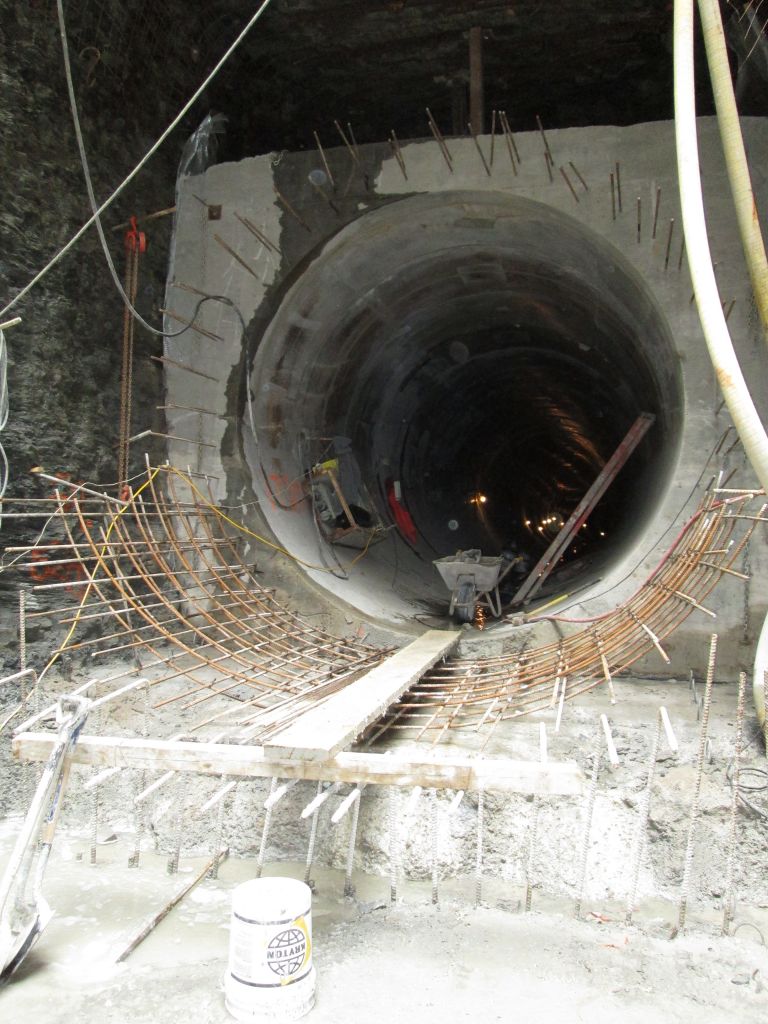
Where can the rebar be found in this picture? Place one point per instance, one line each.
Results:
(685, 885)
(349, 888)
(479, 843)
(312, 837)
(434, 835)
(394, 844)
(729, 893)
(265, 832)
(589, 810)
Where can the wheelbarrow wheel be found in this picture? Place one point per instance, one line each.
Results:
(465, 603)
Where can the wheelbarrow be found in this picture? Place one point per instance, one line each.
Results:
(473, 579)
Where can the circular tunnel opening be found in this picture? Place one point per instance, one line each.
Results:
(476, 359)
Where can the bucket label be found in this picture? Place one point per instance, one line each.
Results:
(287, 952)
(270, 955)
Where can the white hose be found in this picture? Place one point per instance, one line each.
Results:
(735, 155)
(727, 369)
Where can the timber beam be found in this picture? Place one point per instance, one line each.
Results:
(392, 769)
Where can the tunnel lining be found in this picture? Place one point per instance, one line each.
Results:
(377, 309)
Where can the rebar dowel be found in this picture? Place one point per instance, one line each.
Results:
(642, 823)
(94, 825)
(533, 830)
(588, 815)
(218, 842)
(613, 197)
(479, 848)
(173, 861)
(349, 888)
(729, 894)
(393, 844)
(312, 837)
(669, 242)
(265, 831)
(685, 885)
(22, 632)
(434, 829)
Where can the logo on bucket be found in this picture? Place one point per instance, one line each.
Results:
(287, 952)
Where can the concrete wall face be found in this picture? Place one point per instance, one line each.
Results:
(292, 256)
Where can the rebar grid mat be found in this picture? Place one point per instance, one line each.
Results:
(163, 575)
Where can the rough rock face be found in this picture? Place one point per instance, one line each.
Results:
(64, 359)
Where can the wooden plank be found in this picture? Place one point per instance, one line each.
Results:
(326, 729)
(492, 775)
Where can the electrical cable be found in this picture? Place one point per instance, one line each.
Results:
(97, 217)
(150, 153)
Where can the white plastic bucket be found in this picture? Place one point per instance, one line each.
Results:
(270, 975)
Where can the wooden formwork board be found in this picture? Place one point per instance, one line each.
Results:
(497, 775)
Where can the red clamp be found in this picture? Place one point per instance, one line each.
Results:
(135, 240)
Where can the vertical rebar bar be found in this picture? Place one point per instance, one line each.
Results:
(589, 811)
(393, 844)
(22, 632)
(642, 823)
(178, 831)
(479, 847)
(312, 838)
(656, 211)
(218, 832)
(613, 197)
(685, 885)
(729, 893)
(669, 242)
(434, 837)
(140, 811)
(533, 830)
(349, 888)
(265, 832)
(94, 824)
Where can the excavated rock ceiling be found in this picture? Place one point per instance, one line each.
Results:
(378, 63)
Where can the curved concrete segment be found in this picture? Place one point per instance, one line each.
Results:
(468, 335)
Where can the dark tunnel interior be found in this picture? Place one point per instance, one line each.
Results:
(491, 378)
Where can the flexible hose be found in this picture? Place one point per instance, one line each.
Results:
(735, 155)
(726, 365)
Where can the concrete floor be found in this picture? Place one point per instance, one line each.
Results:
(376, 963)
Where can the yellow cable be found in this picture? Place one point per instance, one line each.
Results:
(100, 562)
(257, 536)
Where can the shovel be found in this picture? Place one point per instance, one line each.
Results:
(23, 914)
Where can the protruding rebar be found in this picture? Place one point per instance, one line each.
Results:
(349, 888)
(669, 242)
(394, 848)
(438, 135)
(729, 891)
(569, 184)
(22, 632)
(321, 151)
(265, 831)
(656, 211)
(589, 811)
(312, 836)
(685, 885)
(613, 197)
(434, 823)
(479, 840)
